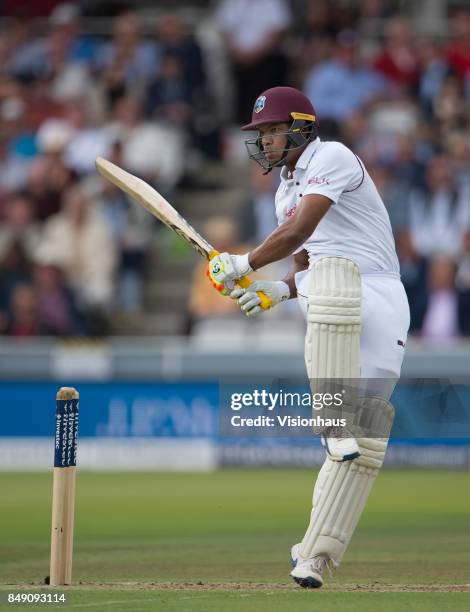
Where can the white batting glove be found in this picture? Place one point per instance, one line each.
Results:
(226, 267)
(249, 300)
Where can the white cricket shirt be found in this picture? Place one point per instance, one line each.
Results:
(356, 225)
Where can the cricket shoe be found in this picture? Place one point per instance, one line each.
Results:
(341, 449)
(307, 572)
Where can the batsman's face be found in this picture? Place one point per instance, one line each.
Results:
(273, 140)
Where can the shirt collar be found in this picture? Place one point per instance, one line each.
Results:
(307, 155)
(304, 159)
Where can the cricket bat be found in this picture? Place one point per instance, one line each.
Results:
(155, 203)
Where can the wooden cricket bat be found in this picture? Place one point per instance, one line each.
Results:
(155, 203)
(63, 495)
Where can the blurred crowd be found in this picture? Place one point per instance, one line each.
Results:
(159, 98)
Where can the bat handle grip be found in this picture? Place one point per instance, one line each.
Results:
(245, 282)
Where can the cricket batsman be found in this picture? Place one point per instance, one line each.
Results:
(346, 278)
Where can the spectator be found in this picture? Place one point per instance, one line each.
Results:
(458, 51)
(355, 131)
(463, 288)
(408, 168)
(457, 148)
(322, 18)
(395, 178)
(87, 141)
(41, 103)
(78, 240)
(26, 52)
(23, 319)
(393, 193)
(398, 61)
(15, 269)
(48, 178)
(317, 30)
(63, 57)
(169, 96)
(151, 150)
(66, 78)
(403, 174)
(113, 84)
(253, 33)
(343, 84)
(176, 40)
(440, 323)
(132, 230)
(18, 226)
(450, 108)
(39, 190)
(18, 143)
(65, 23)
(439, 220)
(440, 214)
(56, 311)
(137, 58)
(434, 68)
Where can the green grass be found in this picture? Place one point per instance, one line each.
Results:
(237, 527)
(243, 601)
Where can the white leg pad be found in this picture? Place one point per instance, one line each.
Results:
(332, 342)
(339, 497)
(332, 354)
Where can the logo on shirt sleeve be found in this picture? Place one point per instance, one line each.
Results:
(318, 180)
(291, 211)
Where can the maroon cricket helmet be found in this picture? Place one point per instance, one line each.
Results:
(277, 104)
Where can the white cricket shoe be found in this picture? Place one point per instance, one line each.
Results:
(341, 449)
(307, 572)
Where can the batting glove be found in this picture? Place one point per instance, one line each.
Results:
(226, 267)
(222, 288)
(249, 300)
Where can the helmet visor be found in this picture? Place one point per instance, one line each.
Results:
(266, 159)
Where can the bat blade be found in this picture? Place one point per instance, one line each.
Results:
(155, 203)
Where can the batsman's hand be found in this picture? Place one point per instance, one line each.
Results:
(225, 267)
(249, 300)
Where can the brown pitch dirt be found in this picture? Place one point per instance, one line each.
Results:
(263, 587)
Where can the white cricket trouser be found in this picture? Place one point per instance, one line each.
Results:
(385, 319)
(342, 489)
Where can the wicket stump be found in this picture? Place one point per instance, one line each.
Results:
(63, 495)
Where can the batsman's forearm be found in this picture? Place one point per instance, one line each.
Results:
(293, 233)
(301, 262)
(280, 244)
(290, 282)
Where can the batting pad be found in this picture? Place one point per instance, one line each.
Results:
(333, 320)
(341, 492)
